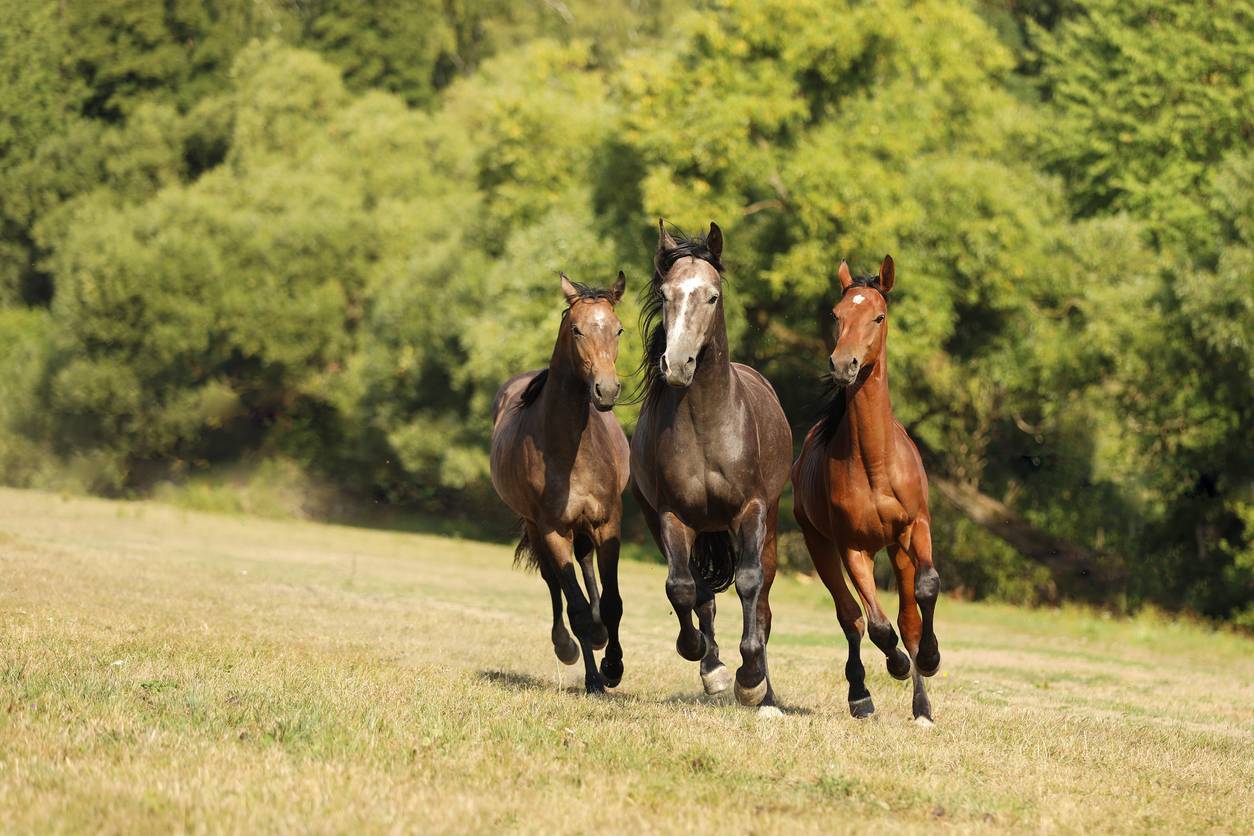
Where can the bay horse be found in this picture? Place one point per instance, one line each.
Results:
(559, 461)
(859, 486)
(709, 460)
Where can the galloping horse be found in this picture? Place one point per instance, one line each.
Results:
(559, 461)
(709, 460)
(859, 486)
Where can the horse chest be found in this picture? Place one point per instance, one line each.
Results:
(865, 515)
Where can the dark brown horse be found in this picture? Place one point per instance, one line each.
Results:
(559, 461)
(859, 486)
(709, 460)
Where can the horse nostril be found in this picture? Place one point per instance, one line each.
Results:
(853, 365)
(831, 364)
(596, 387)
(690, 361)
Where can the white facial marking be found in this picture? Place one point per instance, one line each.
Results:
(685, 290)
(858, 298)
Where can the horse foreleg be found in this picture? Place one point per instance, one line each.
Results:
(827, 563)
(752, 686)
(911, 627)
(861, 570)
(558, 548)
(563, 645)
(681, 588)
(926, 590)
(590, 586)
(611, 604)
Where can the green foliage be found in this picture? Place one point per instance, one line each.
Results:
(327, 231)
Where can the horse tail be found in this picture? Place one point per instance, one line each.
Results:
(525, 555)
(714, 559)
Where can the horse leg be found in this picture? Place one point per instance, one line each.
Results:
(563, 645)
(611, 603)
(681, 588)
(715, 678)
(926, 590)
(908, 621)
(848, 613)
(879, 628)
(752, 687)
(583, 552)
(769, 563)
(559, 550)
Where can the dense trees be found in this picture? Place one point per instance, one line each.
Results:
(329, 230)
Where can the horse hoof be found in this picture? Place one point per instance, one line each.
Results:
(751, 696)
(899, 666)
(924, 722)
(716, 681)
(695, 655)
(612, 672)
(769, 712)
(567, 653)
(594, 686)
(862, 709)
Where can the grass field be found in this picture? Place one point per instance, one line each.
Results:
(167, 670)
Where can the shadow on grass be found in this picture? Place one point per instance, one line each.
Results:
(726, 698)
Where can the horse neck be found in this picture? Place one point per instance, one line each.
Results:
(565, 397)
(870, 419)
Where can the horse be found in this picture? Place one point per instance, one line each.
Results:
(709, 460)
(559, 461)
(859, 486)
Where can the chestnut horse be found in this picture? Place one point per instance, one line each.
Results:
(859, 486)
(559, 461)
(709, 460)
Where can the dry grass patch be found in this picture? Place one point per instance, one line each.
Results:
(167, 670)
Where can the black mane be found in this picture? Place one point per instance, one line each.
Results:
(536, 385)
(832, 412)
(651, 327)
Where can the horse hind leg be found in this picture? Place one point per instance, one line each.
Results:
(583, 553)
(861, 570)
(911, 627)
(826, 562)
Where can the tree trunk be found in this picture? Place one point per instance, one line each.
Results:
(1078, 570)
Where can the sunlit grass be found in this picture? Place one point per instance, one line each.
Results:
(168, 670)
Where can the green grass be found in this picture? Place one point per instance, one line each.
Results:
(162, 669)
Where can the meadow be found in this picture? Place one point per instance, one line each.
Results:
(167, 670)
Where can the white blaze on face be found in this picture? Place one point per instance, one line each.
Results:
(685, 294)
(858, 299)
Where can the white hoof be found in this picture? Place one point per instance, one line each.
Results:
(769, 712)
(923, 723)
(751, 696)
(716, 681)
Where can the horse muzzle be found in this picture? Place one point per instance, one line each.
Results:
(844, 370)
(678, 374)
(605, 394)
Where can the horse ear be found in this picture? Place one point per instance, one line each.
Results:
(846, 278)
(664, 240)
(620, 285)
(569, 290)
(888, 273)
(714, 240)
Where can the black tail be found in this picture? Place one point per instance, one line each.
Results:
(526, 557)
(714, 560)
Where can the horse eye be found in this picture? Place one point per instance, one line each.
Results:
(620, 332)
(832, 314)
(713, 298)
(879, 318)
(578, 333)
